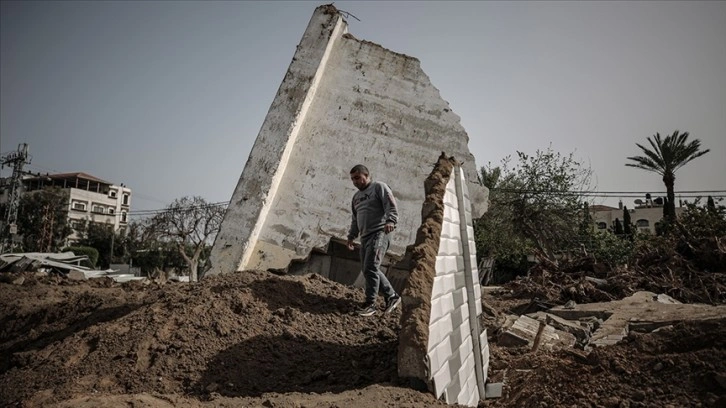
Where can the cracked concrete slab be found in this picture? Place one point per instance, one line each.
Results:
(343, 101)
(641, 310)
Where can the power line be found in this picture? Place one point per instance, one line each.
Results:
(609, 192)
(594, 194)
(173, 209)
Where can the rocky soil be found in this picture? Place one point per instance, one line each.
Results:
(262, 340)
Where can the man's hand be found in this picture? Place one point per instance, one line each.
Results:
(389, 227)
(350, 244)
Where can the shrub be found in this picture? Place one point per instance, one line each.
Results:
(610, 249)
(92, 253)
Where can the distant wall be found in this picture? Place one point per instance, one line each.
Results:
(343, 101)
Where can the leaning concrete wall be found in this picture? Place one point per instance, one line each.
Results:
(343, 101)
(436, 346)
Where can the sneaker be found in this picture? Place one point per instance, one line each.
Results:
(392, 302)
(369, 309)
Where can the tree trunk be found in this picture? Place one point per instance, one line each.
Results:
(193, 272)
(669, 180)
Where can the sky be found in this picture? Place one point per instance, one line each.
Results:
(167, 97)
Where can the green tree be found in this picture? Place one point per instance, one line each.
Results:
(627, 223)
(586, 222)
(702, 229)
(490, 175)
(190, 224)
(710, 204)
(534, 208)
(665, 156)
(43, 219)
(618, 227)
(90, 252)
(101, 237)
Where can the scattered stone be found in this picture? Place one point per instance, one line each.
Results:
(612, 402)
(599, 283)
(76, 275)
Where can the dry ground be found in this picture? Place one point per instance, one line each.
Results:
(258, 339)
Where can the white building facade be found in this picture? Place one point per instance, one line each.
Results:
(643, 216)
(91, 200)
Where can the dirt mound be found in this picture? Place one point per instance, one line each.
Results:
(678, 366)
(257, 339)
(585, 281)
(232, 336)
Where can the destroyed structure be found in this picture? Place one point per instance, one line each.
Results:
(342, 102)
(65, 264)
(441, 344)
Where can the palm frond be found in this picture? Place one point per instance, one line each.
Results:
(666, 155)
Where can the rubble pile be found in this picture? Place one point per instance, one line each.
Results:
(258, 339)
(683, 365)
(241, 337)
(656, 270)
(578, 333)
(64, 264)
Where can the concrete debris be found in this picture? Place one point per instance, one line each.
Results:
(76, 275)
(522, 332)
(526, 331)
(65, 264)
(643, 311)
(580, 330)
(288, 199)
(599, 283)
(493, 390)
(597, 324)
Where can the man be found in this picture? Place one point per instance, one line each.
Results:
(374, 218)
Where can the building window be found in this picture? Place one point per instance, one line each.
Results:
(123, 216)
(126, 199)
(111, 211)
(112, 193)
(79, 206)
(601, 225)
(641, 223)
(98, 209)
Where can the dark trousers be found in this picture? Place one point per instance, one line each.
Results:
(372, 250)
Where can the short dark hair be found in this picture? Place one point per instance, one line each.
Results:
(359, 168)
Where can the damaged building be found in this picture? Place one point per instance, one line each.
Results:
(343, 101)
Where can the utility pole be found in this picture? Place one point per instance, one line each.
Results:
(16, 160)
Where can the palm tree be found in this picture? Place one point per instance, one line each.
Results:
(666, 156)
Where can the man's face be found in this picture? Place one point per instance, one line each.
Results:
(360, 180)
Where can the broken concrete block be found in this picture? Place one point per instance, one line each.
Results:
(551, 338)
(582, 334)
(643, 311)
(493, 390)
(76, 275)
(521, 333)
(663, 298)
(510, 339)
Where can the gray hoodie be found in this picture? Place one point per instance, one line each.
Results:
(372, 208)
